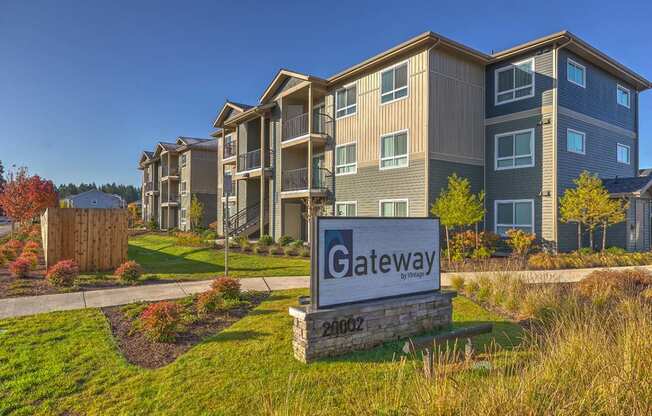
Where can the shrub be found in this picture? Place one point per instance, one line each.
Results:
(152, 225)
(20, 267)
(298, 244)
(471, 287)
(63, 273)
(541, 303)
(542, 261)
(189, 239)
(284, 240)
(277, 250)
(8, 252)
(230, 304)
(615, 251)
(484, 288)
(457, 282)
(208, 302)
(482, 253)
(209, 235)
(228, 287)
(520, 241)
(265, 240)
(31, 258)
(3, 259)
(304, 252)
(14, 244)
(161, 320)
(258, 249)
(290, 251)
(32, 247)
(607, 285)
(129, 271)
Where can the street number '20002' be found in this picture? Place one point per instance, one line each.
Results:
(342, 326)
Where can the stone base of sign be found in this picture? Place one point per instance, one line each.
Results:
(343, 329)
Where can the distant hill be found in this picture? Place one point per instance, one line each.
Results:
(129, 193)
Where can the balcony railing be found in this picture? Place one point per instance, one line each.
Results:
(151, 186)
(298, 126)
(251, 160)
(229, 149)
(297, 179)
(169, 171)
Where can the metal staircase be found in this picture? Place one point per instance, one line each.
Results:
(246, 221)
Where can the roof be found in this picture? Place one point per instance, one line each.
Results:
(645, 172)
(186, 143)
(635, 186)
(281, 76)
(93, 191)
(165, 146)
(221, 116)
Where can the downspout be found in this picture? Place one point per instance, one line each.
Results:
(555, 141)
(427, 162)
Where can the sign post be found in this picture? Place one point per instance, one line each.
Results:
(372, 280)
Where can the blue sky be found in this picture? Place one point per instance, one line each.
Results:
(85, 86)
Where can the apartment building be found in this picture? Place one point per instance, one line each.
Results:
(381, 138)
(173, 174)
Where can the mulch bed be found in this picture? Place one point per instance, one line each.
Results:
(138, 349)
(33, 285)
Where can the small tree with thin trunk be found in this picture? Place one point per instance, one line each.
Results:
(458, 207)
(25, 197)
(196, 212)
(615, 212)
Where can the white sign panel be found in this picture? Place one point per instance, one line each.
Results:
(361, 259)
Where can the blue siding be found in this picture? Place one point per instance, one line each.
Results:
(598, 99)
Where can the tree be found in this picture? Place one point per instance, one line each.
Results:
(458, 207)
(196, 212)
(2, 182)
(589, 205)
(24, 197)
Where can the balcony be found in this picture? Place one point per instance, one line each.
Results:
(230, 150)
(171, 200)
(151, 187)
(297, 180)
(169, 172)
(297, 126)
(251, 160)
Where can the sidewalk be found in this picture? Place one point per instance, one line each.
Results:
(31, 305)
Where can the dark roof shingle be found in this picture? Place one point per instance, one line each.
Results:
(627, 185)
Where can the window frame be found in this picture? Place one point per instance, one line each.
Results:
(629, 153)
(354, 203)
(355, 106)
(407, 150)
(570, 61)
(382, 201)
(182, 217)
(183, 188)
(513, 202)
(581, 133)
(512, 67)
(514, 157)
(354, 164)
(184, 160)
(393, 91)
(629, 96)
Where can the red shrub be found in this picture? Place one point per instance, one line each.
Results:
(209, 301)
(161, 320)
(14, 244)
(8, 252)
(228, 287)
(32, 247)
(31, 258)
(20, 267)
(129, 271)
(63, 273)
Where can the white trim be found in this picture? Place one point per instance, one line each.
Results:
(629, 96)
(513, 202)
(514, 157)
(407, 85)
(305, 136)
(629, 154)
(344, 88)
(581, 133)
(512, 66)
(354, 164)
(382, 201)
(572, 62)
(380, 150)
(354, 203)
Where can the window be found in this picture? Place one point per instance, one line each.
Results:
(394, 83)
(515, 82)
(393, 208)
(394, 150)
(183, 160)
(576, 141)
(576, 73)
(345, 159)
(515, 150)
(183, 215)
(518, 214)
(622, 96)
(345, 101)
(346, 209)
(183, 188)
(623, 154)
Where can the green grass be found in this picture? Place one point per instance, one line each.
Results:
(67, 362)
(162, 258)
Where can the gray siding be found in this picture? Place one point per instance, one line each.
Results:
(543, 85)
(525, 183)
(440, 170)
(370, 185)
(598, 99)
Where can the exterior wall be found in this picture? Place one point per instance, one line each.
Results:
(101, 200)
(440, 170)
(275, 211)
(523, 183)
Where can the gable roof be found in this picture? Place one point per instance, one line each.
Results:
(281, 76)
(645, 172)
(224, 111)
(186, 143)
(635, 186)
(165, 146)
(94, 191)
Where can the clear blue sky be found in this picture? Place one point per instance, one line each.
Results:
(85, 86)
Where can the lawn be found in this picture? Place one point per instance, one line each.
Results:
(161, 256)
(67, 363)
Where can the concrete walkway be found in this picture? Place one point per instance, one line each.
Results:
(31, 305)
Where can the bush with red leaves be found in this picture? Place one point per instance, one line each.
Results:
(20, 267)
(63, 273)
(228, 287)
(160, 321)
(31, 247)
(31, 258)
(129, 271)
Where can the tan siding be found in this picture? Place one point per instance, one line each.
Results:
(548, 185)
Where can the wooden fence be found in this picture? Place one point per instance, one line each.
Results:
(96, 239)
